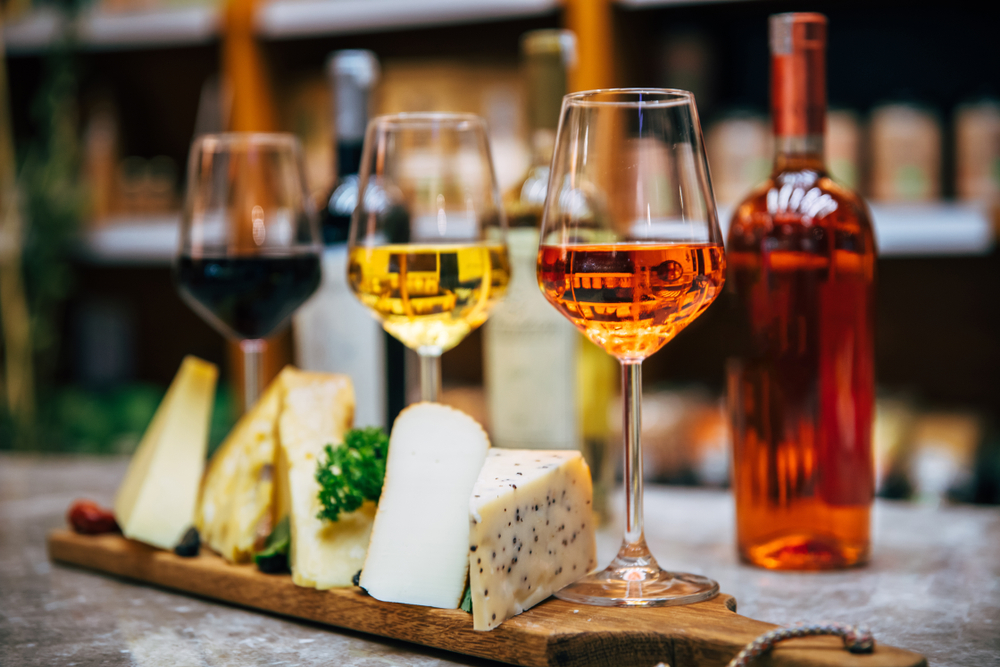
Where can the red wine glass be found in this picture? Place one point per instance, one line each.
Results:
(250, 247)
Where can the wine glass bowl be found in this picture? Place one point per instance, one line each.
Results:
(631, 299)
(631, 253)
(427, 246)
(249, 252)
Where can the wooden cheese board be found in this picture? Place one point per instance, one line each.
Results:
(553, 633)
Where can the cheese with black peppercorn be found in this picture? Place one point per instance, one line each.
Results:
(531, 530)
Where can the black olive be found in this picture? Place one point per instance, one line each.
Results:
(190, 544)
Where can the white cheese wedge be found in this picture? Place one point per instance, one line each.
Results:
(532, 530)
(317, 411)
(420, 542)
(156, 501)
(235, 509)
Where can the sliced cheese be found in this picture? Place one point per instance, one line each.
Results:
(318, 410)
(532, 530)
(156, 500)
(235, 510)
(420, 542)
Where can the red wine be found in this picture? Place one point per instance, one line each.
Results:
(248, 297)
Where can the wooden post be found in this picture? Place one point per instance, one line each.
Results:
(248, 81)
(245, 71)
(17, 383)
(592, 21)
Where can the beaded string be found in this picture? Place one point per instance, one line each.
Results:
(857, 639)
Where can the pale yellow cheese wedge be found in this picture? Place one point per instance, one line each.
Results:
(317, 412)
(156, 501)
(235, 509)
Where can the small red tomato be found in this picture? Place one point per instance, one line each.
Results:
(89, 518)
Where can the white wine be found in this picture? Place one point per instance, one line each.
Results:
(430, 296)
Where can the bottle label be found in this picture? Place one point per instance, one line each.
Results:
(530, 354)
(334, 333)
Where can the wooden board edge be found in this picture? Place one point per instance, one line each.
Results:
(546, 635)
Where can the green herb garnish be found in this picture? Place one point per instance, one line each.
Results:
(466, 605)
(352, 472)
(273, 558)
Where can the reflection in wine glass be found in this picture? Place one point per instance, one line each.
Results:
(631, 253)
(427, 246)
(249, 249)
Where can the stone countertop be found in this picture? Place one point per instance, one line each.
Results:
(933, 586)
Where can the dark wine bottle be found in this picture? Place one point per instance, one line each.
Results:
(333, 332)
(352, 74)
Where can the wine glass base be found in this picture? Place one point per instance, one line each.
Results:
(639, 586)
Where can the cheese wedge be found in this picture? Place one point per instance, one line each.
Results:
(235, 509)
(532, 530)
(156, 501)
(420, 542)
(317, 411)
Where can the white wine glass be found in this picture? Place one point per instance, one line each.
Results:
(631, 253)
(427, 250)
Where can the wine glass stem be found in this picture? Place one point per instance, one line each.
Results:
(430, 376)
(632, 404)
(253, 353)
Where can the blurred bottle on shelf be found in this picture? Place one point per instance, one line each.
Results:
(843, 147)
(146, 187)
(740, 148)
(931, 456)
(546, 387)
(894, 418)
(333, 332)
(529, 354)
(801, 260)
(687, 62)
(307, 110)
(905, 153)
(977, 151)
(502, 102)
(101, 141)
(942, 457)
(456, 85)
(120, 189)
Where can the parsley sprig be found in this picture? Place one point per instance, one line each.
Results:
(352, 472)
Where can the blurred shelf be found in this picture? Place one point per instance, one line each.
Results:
(34, 31)
(903, 230)
(650, 4)
(177, 26)
(98, 29)
(923, 230)
(283, 19)
(144, 240)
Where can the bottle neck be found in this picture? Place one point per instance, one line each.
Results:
(348, 157)
(799, 153)
(546, 77)
(350, 120)
(798, 95)
(543, 144)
